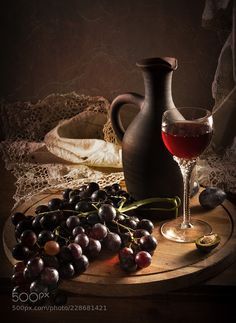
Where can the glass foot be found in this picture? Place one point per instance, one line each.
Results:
(173, 230)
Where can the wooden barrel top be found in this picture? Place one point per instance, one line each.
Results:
(174, 265)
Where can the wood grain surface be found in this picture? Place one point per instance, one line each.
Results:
(174, 265)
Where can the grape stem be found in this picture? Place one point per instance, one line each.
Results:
(123, 226)
(174, 204)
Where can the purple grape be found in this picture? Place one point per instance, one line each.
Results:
(28, 238)
(35, 266)
(18, 278)
(72, 222)
(77, 230)
(140, 233)
(99, 196)
(55, 204)
(112, 242)
(107, 213)
(49, 276)
(84, 206)
(98, 231)
(49, 221)
(41, 209)
(81, 264)
(146, 225)
(143, 259)
(66, 193)
(66, 271)
(20, 252)
(82, 239)
(93, 249)
(148, 243)
(17, 217)
(76, 250)
(92, 187)
(45, 236)
(50, 261)
(211, 197)
(65, 255)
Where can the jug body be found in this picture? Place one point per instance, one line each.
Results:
(149, 169)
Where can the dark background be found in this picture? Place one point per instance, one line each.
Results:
(91, 46)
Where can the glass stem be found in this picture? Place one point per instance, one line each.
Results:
(186, 167)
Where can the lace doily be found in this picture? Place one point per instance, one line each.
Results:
(24, 126)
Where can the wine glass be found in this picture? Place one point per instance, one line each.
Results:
(186, 132)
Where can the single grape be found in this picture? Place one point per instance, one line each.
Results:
(37, 287)
(148, 243)
(84, 194)
(74, 199)
(55, 204)
(49, 221)
(146, 225)
(74, 193)
(20, 252)
(107, 213)
(98, 231)
(130, 223)
(93, 218)
(99, 196)
(66, 193)
(28, 238)
(126, 253)
(41, 209)
(36, 225)
(29, 275)
(51, 248)
(140, 233)
(81, 264)
(77, 230)
(49, 276)
(84, 206)
(50, 261)
(59, 298)
(116, 187)
(112, 241)
(211, 197)
(109, 190)
(45, 236)
(76, 251)
(65, 255)
(17, 217)
(143, 259)
(120, 218)
(82, 239)
(66, 271)
(92, 187)
(19, 267)
(35, 265)
(72, 222)
(24, 225)
(93, 249)
(18, 278)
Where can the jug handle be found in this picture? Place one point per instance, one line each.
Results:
(116, 106)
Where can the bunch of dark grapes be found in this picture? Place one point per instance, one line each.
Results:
(63, 237)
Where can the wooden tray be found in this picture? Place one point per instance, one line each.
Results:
(174, 265)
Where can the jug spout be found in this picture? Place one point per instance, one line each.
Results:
(157, 75)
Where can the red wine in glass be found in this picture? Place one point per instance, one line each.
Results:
(186, 140)
(186, 133)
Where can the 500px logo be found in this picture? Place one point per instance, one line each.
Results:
(25, 297)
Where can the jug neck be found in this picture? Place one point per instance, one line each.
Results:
(157, 74)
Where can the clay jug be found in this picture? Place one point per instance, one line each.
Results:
(149, 169)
